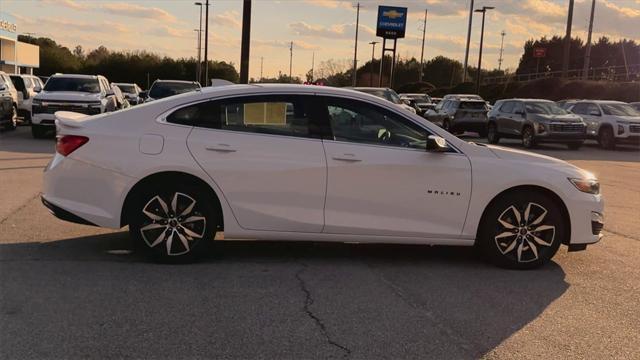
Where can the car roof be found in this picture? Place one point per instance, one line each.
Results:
(603, 101)
(175, 81)
(78, 76)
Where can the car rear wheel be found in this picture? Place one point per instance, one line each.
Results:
(492, 134)
(172, 223)
(606, 139)
(521, 230)
(528, 138)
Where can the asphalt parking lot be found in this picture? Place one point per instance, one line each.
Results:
(71, 291)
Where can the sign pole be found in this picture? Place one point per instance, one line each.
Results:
(384, 46)
(393, 63)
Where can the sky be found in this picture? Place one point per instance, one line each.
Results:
(320, 29)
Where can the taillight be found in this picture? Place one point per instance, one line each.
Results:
(67, 144)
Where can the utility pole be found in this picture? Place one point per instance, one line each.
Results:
(261, 63)
(424, 30)
(466, 52)
(206, 45)
(198, 64)
(355, 47)
(290, 61)
(501, 49)
(373, 51)
(587, 55)
(624, 57)
(567, 43)
(246, 41)
(484, 12)
(199, 67)
(313, 63)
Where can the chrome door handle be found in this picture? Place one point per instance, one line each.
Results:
(346, 157)
(221, 148)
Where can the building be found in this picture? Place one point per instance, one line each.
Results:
(16, 56)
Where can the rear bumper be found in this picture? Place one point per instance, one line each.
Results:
(63, 214)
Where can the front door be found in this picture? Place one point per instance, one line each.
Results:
(382, 181)
(265, 155)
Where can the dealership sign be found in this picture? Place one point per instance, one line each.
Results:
(539, 52)
(392, 21)
(8, 27)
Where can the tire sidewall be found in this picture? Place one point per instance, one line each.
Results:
(199, 248)
(532, 140)
(489, 227)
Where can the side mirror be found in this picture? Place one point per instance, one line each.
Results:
(594, 113)
(3, 87)
(143, 94)
(37, 88)
(436, 144)
(110, 93)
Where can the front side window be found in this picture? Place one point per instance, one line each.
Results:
(359, 122)
(507, 107)
(276, 115)
(518, 108)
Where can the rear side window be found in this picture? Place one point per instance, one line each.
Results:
(18, 82)
(276, 115)
(507, 107)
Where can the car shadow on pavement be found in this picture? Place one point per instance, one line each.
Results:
(21, 141)
(267, 299)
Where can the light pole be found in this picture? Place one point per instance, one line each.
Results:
(199, 68)
(567, 42)
(466, 51)
(503, 33)
(587, 55)
(290, 61)
(355, 48)
(424, 30)
(198, 65)
(484, 12)
(206, 44)
(373, 51)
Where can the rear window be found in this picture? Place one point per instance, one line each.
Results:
(161, 90)
(127, 88)
(72, 84)
(472, 105)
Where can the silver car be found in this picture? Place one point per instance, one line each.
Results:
(535, 121)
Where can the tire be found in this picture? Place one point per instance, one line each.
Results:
(606, 139)
(574, 145)
(38, 131)
(446, 125)
(13, 122)
(492, 133)
(509, 243)
(172, 223)
(528, 138)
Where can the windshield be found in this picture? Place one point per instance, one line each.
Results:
(130, 89)
(420, 98)
(619, 110)
(544, 107)
(72, 84)
(165, 89)
(473, 105)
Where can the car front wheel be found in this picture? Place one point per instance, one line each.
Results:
(521, 230)
(174, 223)
(492, 134)
(528, 138)
(606, 139)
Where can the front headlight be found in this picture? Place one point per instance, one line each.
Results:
(590, 186)
(620, 129)
(540, 127)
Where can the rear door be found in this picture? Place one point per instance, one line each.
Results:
(266, 155)
(382, 181)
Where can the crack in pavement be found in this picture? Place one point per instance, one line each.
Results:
(308, 301)
(13, 211)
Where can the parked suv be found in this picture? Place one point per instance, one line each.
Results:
(164, 88)
(86, 94)
(460, 114)
(131, 92)
(9, 88)
(535, 121)
(8, 114)
(421, 102)
(610, 122)
(28, 86)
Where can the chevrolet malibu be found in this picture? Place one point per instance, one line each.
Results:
(287, 162)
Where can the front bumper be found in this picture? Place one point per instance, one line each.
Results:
(43, 119)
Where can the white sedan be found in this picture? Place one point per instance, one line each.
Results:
(287, 162)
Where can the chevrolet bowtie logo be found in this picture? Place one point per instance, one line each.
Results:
(392, 14)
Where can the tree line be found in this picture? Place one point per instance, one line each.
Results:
(142, 67)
